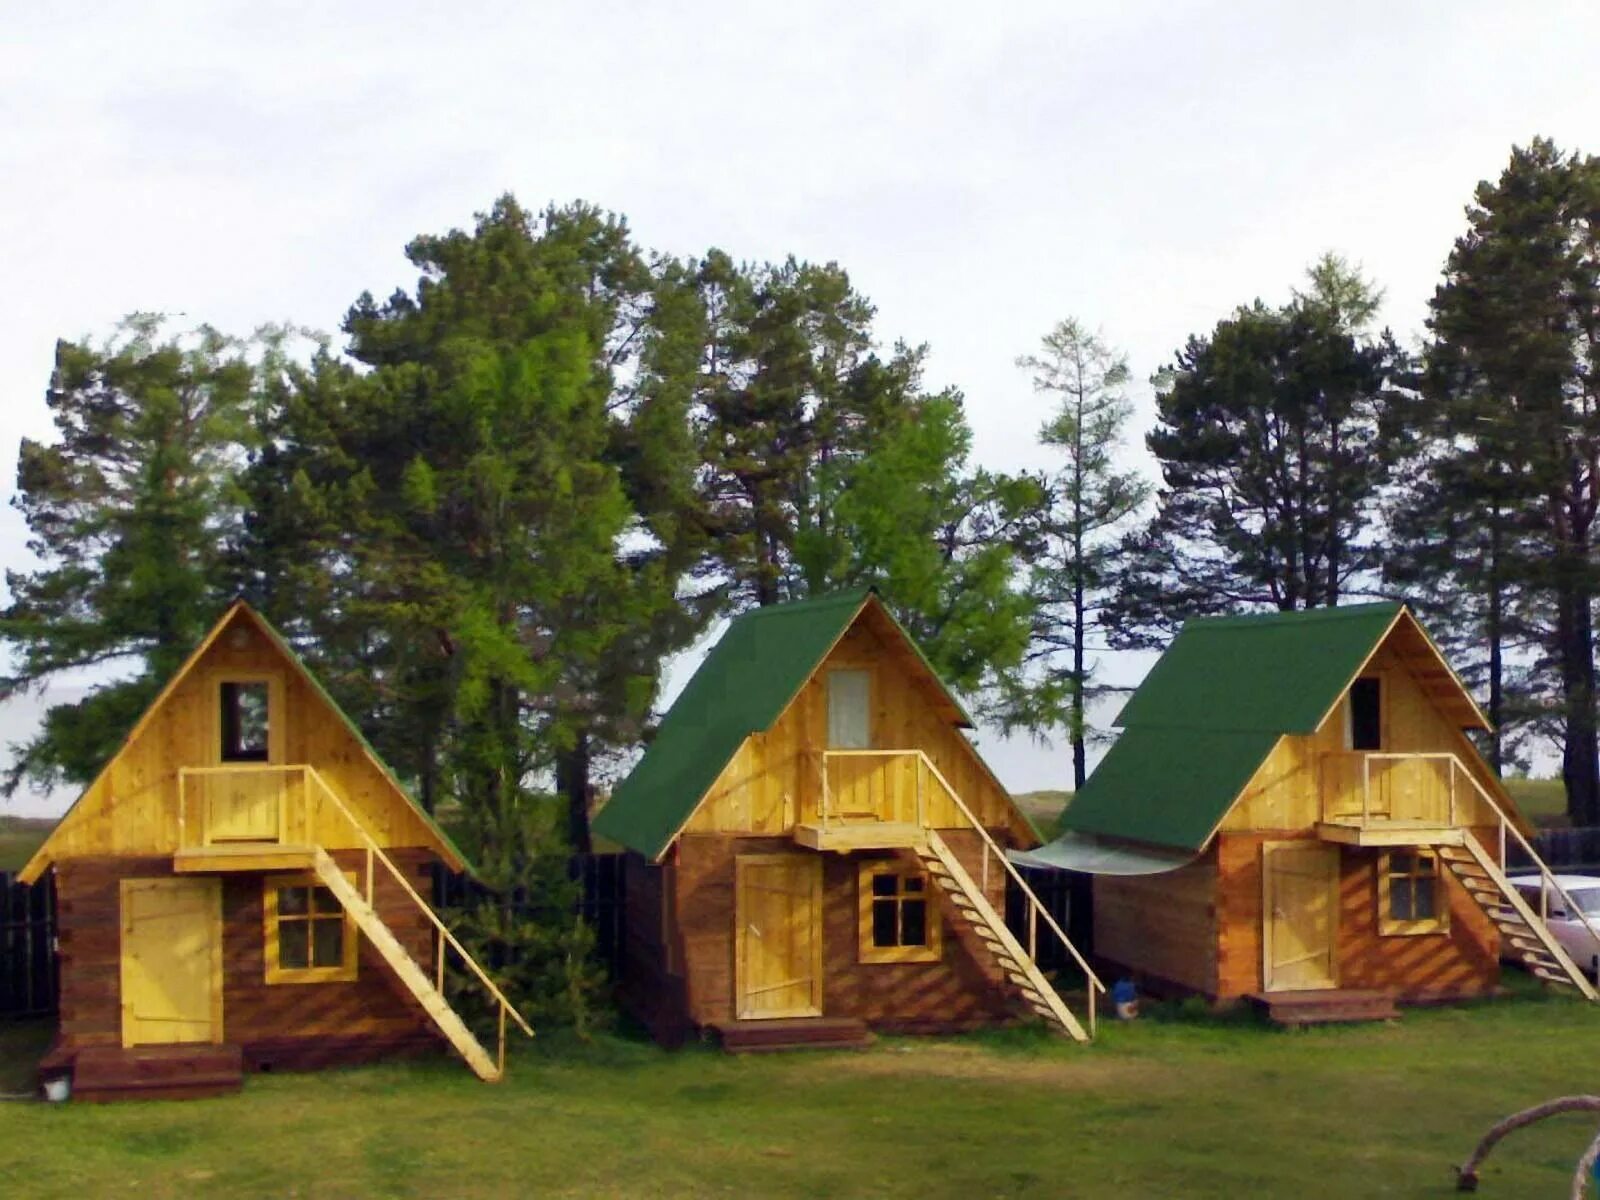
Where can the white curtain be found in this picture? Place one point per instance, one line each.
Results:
(850, 710)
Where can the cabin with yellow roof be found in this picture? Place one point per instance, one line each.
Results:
(243, 888)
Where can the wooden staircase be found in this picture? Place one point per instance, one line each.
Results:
(940, 862)
(1526, 936)
(406, 969)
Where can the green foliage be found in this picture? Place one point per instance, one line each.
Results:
(1086, 505)
(527, 932)
(1514, 424)
(130, 512)
(1276, 435)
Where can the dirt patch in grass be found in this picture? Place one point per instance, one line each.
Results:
(1069, 1068)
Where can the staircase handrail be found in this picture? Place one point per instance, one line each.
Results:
(991, 845)
(1546, 875)
(375, 850)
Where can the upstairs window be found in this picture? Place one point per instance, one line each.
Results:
(849, 710)
(899, 920)
(245, 717)
(1366, 715)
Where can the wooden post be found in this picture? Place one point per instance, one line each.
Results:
(1502, 841)
(438, 960)
(1452, 766)
(1366, 789)
(922, 811)
(183, 778)
(500, 1055)
(985, 884)
(369, 876)
(826, 798)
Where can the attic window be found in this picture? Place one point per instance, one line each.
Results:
(1366, 714)
(899, 921)
(245, 728)
(849, 710)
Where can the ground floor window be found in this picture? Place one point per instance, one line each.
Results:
(899, 920)
(1411, 896)
(309, 936)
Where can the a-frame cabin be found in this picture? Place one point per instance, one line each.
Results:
(818, 850)
(242, 887)
(1294, 811)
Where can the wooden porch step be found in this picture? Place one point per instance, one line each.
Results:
(1326, 1006)
(792, 1033)
(105, 1073)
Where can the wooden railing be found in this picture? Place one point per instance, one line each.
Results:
(1384, 786)
(925, 779)
(1505, 827)
(294, 825)
(442, 934)
(242, 802)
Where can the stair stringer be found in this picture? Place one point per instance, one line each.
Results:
(1014, 962)
(1489, 888)
(406, 968)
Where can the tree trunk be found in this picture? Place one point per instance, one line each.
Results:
(572, 783)
(1580, 758)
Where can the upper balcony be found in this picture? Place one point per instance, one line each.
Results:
(1377, 798)
(255, 817)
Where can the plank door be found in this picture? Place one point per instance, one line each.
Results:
(244, 807)
(171, 961)
(1301, 916)
(778, 952)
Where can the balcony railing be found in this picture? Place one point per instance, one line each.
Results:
(244, 802)
(1378, 786)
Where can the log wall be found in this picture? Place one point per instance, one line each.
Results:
(290, 1025)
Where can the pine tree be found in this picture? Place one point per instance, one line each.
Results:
(1275, 435)
(1088, 504)
(130, 510)
(1515, 360)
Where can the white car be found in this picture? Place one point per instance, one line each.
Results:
(1572, 930)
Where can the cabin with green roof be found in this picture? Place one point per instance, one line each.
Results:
(1295, 810)
(816, 849)
(242, 888)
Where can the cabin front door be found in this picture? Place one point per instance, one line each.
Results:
(171, 961)
(778, 948)
(1301, 916)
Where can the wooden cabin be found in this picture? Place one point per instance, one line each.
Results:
(242, 888)
(817, 850)
(1294, 811)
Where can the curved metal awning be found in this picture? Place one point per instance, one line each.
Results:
(1089, 854)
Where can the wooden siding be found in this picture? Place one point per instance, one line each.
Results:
(132, 808)
(1285, 794)
(773, 781)
(288, 1024)
(958, 991)
(1461, 962)
(1163, 926)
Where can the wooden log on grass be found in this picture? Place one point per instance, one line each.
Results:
(1467, 1172)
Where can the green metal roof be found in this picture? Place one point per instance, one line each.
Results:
(1209, 713)
(758, 666)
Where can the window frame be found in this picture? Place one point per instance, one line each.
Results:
(1377, 681)
(1391, 926)
(849, 668)
(345, 972)
(932, 950)
(275, 717)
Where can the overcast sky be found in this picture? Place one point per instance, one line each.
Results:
(1144, 167)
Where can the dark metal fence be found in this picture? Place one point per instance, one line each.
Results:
(1053, 889)
(599, 900)
(28, 972)
(1576, 851)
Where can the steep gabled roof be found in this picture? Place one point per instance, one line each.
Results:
(1216, 703)
(447, 849)
(744, 685)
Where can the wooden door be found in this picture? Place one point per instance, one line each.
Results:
(171, 961)
(778, 951)
(246, 806)
(1301, 917)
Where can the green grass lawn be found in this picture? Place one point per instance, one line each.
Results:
(19, 838)
(1542, 801)
(1170, 1106)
